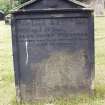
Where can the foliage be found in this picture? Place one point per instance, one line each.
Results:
(7, 5)
(4, 6)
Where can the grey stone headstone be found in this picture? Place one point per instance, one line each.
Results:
(53, 51)
(2, 15)
(99, 8)
(97, 5)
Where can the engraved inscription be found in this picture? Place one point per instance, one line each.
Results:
(42, 32)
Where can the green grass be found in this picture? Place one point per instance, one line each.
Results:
(100, 56)
(7, 87)
(7, 90)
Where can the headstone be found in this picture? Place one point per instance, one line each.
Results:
(1, 15)
(53, 49)
(97, 5)
(99, 8)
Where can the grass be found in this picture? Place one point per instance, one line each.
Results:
(7, 90)
(7, 87)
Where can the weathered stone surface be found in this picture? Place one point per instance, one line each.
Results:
(53, 53)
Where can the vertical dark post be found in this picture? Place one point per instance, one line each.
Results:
(91, 50)
(16, 58)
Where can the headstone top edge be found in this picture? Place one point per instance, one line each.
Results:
(21, 7)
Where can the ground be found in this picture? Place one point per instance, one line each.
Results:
(7, 86)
